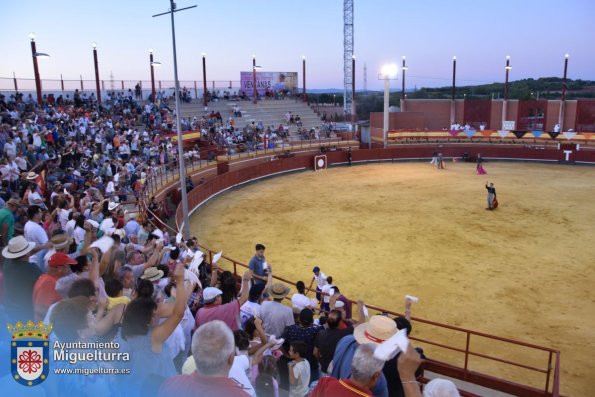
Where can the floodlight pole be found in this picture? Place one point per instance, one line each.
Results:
(36, 70)
(154, 98)
(96, 63)
(453, 91)
(385, 114)
(204, 79)
(563, 99)
(505, 102)
(185, 218)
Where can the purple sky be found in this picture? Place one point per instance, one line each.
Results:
(536, 34)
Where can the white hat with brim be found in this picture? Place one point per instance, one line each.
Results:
(32, 176)
(17, 247)
(376, 331)
(152, 274)
(112, 206)
(210, 293)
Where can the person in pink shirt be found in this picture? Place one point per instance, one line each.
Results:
(229, 313)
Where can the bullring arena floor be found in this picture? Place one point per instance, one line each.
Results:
(524, 271)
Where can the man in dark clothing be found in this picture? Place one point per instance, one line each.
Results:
(326, 340)
(258, 266)
(491, 196)
(19, 278)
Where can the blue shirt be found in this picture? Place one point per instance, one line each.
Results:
(257, 266)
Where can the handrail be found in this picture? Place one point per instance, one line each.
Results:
(554, 355)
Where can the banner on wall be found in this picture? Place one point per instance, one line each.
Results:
(271, 81)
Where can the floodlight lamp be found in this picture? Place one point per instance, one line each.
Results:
(32, 36)
(389, 71)
(566, 56)
(204, 54)
(454, 58)
(150, 50)
(94, 45)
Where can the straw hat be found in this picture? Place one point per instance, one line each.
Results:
(278, 291)
(17, 247)
(15, 202)
(60, 241)
(377, 330)
(152, 274)
(112, 206)
(32, 176)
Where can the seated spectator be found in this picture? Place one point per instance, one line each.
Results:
(20, 277)
(44, 291)
(365, 372)
(213, 351)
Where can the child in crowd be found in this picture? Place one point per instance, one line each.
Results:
(299, 369)
(115, 293)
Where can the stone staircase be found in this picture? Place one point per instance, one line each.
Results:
(270, 112)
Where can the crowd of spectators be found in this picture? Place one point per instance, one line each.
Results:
(75, 257)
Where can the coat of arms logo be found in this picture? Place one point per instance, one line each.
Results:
(29, 352)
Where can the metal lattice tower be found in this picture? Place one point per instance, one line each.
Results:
(365, 77)
(347, 55)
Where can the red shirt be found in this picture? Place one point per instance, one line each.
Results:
(44, 291)
(328, 386)
(195, 385)
(229, 313)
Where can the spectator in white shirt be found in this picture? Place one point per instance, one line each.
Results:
(299, 300)
(320, 279)
(33, 231)
(327, 292)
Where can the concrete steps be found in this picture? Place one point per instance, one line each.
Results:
(269, 112)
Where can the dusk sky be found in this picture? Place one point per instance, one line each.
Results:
(536, 35)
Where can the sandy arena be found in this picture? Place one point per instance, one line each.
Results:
(524, 271)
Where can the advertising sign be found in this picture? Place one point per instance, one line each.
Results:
(271, 81)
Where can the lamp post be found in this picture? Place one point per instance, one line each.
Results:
(505, 102)
(353, 116)
(254, 79)
(453, 90)
(388, 73)
(563, 99)
(35, 55)
(185, 218)
(204, 79)
(304, 97)
(403, 69)
(152, 63)
(96, 73)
